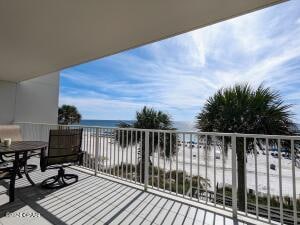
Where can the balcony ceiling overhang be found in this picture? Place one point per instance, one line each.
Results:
(38, 37)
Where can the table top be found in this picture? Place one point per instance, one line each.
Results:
(23, 146)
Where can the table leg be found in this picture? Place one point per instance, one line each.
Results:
(26, 170)
(13, 178)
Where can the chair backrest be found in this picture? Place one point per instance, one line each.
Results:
(64, 147)
(10, 131)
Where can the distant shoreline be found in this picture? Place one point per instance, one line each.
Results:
(180, 125)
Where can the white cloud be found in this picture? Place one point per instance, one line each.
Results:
(180, 73)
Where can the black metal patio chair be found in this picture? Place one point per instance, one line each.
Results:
(64, 149)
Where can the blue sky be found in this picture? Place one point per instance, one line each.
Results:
(178, 74)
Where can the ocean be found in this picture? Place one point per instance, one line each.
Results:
(179, 125)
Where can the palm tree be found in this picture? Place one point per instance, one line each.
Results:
(149, 118)
(242, 109)
(68, 114)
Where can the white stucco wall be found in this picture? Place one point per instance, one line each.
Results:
(7, 101)
(37, 99)
(34, 100)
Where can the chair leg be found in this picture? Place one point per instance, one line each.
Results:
(26, 172)
(19, 174)
(50, 182)
(69, 177)
(60, 180)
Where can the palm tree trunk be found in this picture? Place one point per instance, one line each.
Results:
(241, 175)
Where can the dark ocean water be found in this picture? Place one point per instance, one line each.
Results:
(180, 125)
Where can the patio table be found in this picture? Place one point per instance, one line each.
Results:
(17, 148)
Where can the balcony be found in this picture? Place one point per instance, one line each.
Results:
(196, 185)
(99, 200)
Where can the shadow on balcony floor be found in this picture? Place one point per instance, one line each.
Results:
(96, 200)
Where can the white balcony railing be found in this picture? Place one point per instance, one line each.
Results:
(202, 167)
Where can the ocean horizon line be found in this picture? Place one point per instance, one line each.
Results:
(180, 125)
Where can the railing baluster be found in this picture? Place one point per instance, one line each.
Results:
(103, 158)
(119, 136)
(115, 139)
(141, 149)
(191, 166)
(122, 156)
(294, 182)
(176, 171)
(164, 154)
(152, 177)
(215, 192)
(280, 181)
(245, 175)
(158, 161)
(268, 180)
(110, 151)
(106, 155)
(183, 164)
(256, 180)
(198, 168)
(206, 166)
(86, 148)
(146, 160)
(136, 156)
(131, 132)
(99, 150)
(91, 147)
(234, 173)
(96, 150)
(170, 160)
(126, 150)
(223, 170)
(83, 144)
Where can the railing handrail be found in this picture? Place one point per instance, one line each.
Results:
(289, 137)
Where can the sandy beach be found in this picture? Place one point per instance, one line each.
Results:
(112, 154)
